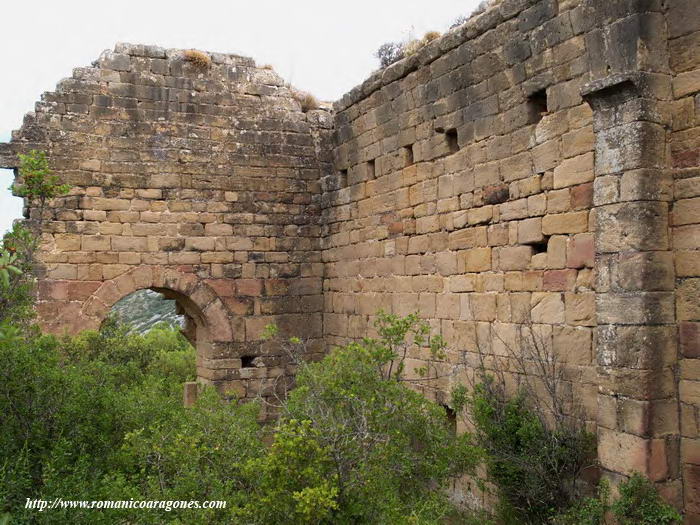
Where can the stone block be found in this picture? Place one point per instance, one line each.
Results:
(530, 231)
(564, 223)
(573, 171)
(475, 260)
(514, 257)
(547, 308)
(688, 300)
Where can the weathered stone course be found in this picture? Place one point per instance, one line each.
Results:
(536, 168)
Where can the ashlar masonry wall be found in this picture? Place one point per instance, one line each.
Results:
(516, 175)
(200, 182)
(535, 170)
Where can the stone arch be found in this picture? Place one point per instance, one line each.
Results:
(208, 320)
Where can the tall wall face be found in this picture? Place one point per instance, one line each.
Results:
(535, 171)
(684, 45)
(202, 182)
(464, 192)
(516, 174)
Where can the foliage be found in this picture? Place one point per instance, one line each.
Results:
(391, 52)
(306, 100)
(534, 467)
(638, 504)
(65, 414)
(38, 185)
(587, 511)
(388, 53)
(389, 448)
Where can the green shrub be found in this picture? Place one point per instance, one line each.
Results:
(533, 467)
(381, 451)
(640, 504)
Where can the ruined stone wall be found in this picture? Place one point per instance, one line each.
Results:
(534, 171)
(684, 47)
(515, 174)
(198, 181)
(463, 192)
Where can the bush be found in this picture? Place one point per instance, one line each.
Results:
(533, 467)
(638, 504)
(197, 58)
(306, 100)
(380, 451)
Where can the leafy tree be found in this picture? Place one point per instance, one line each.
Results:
(382, 449)
(38, 184)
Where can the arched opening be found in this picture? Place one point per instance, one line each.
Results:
(146, 308)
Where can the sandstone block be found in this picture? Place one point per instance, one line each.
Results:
(514, 257)
(576, 170)
(573, 222)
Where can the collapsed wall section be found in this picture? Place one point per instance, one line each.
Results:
(194, 174)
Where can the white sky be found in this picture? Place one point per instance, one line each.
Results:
(320, 46)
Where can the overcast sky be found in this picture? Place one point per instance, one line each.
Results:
(319, 46)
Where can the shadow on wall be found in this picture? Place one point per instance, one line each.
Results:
(10, 206)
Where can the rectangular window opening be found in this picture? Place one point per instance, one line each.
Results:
(371, 170)
(541, 246)
(452, 140)
(343, 179)
(537, 105)
(451, 416)
(248, 361)
(408, 155)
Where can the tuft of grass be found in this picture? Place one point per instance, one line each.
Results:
(197, 58)
(266, 66)
(430, 36)
(307, 101)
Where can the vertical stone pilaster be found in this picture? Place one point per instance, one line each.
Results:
(636, 343)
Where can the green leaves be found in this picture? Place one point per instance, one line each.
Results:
(37, 182)
(8, 267)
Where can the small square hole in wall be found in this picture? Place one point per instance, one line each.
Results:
(452, 140)
(247, 361)
(541, 246)
(451, 416)
(408, 155)
(343, 179)
(371, 169)
(537, 105)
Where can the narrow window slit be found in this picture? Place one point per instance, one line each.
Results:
(452, 140)
(451, 417)
(371, 170)
(408, 155)
(343, 179)
(537, 105)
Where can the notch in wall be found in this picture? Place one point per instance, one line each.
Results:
(451, 417)
(408, 155)
(343, 179)
(537, 106)
(248, 361)
(540, 246)
(452, 140)
(371, 169)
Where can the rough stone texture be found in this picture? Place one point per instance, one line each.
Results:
(202, 183)
(454, 191)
